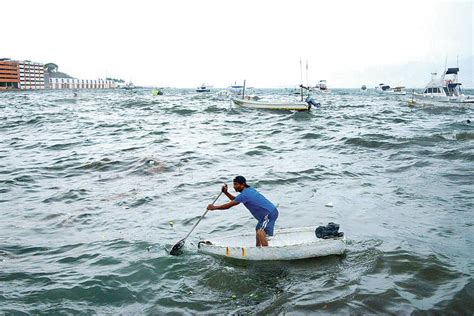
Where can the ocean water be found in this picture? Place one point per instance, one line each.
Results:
(96, 189)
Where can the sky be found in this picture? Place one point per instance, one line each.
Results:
(184, 43)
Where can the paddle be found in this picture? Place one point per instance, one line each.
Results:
(176, 250)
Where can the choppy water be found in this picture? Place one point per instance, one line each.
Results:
(95, 189)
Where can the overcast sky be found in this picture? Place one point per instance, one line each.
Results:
(184, 43)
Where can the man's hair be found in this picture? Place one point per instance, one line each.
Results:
(241, 180)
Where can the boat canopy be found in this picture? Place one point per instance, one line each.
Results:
(452, 71)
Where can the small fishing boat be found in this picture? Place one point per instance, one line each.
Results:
(399, 90)
(128, 86)
(383, 88)
(156, 92)
(386, 89)
(203, 88)
(289, 106)
(287, 244)
(321, 87)
(235, 89)
(444, 90)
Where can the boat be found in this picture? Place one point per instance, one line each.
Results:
(383, 88)
(363, 88)
(399, 90)
(291, 106)
(386, 89)
(128, 86)
(445, 89)
(156, 92)
(251, 103)
(203, 88)
(321, 86)
(235, 89)
(286, 244)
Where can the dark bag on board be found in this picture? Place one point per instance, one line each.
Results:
(331, 230)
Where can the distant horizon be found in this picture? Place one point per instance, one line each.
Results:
(465, 77)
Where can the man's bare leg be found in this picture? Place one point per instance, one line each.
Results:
(261, 238)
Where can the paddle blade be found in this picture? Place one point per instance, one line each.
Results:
(176, 250)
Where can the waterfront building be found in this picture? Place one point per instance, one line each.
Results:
(31, 75)
(24, 75)
(9, 76)
(28, 75)
(73, 83)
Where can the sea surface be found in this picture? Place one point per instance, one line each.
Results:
(96, 189)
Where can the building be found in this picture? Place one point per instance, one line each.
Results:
(28, 75)
(21, 74)
(72, 83)
(9, 75)
(31, 75)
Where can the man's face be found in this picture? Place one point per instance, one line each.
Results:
(238, 186)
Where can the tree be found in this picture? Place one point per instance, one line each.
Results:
(51, 67)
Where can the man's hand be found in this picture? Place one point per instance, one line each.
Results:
(211, 207)
(224, 188)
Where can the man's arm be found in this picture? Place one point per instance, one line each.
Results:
(212, 207)
(224, 190)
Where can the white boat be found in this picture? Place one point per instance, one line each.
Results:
(382, 88)
(296, 106)
(128, 86)
(399, 91)
(287, 244)
(443, 90)
(203, 88)
(386, 89)
(235, 89)
(321, 87)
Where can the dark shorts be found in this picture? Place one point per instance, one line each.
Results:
(267, 223)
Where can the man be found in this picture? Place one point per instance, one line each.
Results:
(262, 209)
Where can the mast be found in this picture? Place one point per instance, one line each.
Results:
(457, 66)
(445, 66)
(307, 73)
(301, 78)
(301, 72)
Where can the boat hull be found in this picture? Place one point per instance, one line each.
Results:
(440, 100)
(287, 244)
(272, 106)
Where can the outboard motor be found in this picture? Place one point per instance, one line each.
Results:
(312, 102)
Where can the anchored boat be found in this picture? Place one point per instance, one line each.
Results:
(296, 106)
(321, 87)
(443, 90)
(399, 90)
(386, 89)
(287, 244)
(203, 88)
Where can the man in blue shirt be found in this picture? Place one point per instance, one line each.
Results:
(262, 209)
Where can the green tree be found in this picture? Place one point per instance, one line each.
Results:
(51, 67)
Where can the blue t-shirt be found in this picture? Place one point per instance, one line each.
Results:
(257, 204)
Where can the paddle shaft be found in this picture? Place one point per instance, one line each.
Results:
(201, 217)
